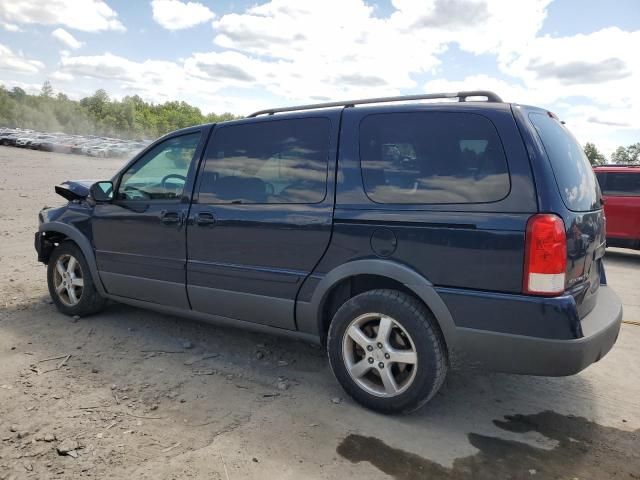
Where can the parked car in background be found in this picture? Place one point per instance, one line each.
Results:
(66, 143)
(9, 138)
(620, 185)
(392, 234)
(41, 142)
(23, 141)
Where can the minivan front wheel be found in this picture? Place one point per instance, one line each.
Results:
(386, 350)
(70, 284)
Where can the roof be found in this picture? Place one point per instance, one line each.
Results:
(617, 168)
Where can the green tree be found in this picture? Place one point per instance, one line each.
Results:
(131, 117)
(47, 89)
(627, 155)
(593, 154)
(634, 152)
(18, 93)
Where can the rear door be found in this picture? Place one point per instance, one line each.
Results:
(262, 215)
(581, 207)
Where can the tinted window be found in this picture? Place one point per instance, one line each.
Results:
(281, 161)
(573, 172)
(621, 184)
(160, 174)
(432, 157)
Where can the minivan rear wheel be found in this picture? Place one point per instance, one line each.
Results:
(70, 284)
(387, 351)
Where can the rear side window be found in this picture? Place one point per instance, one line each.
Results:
(280, 161)
(620, 184)
(432, 158)
(573, 172)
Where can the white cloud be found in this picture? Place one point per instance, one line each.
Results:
(602, 65)
(289, 51)
(61, 76)
(84, 15)
(162, 81)
(311, 52)
(17, 63)
(10, 27)
(590, 80)
(30, 88)
(176, 15)
(66, 38)
(307, 50)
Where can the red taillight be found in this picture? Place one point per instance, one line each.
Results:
(545, 255)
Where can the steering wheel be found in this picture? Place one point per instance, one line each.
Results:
(169, 177)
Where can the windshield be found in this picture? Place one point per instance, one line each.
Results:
(573, 172)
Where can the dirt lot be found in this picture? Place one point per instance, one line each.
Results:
(144, 395)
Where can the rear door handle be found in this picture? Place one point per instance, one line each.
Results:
(205, 219)
(171, 218)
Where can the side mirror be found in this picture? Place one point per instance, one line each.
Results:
(101, 191)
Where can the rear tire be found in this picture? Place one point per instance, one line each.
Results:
(70, 284)
(386, 350)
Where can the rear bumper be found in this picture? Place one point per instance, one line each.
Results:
(529, 355)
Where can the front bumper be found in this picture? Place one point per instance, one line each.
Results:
(43, 247)
(512, 353)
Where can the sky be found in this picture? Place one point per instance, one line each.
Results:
(577, 58)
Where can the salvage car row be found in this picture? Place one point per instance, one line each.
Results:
(91, 145)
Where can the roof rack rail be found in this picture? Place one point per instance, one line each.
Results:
(461, 96)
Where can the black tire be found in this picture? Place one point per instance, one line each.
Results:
(419, 325)
(89, 300)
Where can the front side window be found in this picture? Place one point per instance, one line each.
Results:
(279, 161)
(432, 158)
(161, 173)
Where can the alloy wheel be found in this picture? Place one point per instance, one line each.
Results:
(68, 280)
(379, 355)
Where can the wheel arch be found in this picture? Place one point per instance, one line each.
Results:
(71, 233)
(393, 275)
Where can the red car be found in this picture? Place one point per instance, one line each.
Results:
(620, 187)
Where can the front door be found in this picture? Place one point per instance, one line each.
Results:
(139, 238)
(262, 216)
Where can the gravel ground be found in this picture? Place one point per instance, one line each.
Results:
(135, 394)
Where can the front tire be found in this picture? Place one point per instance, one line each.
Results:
(387, 351)
(70, 284)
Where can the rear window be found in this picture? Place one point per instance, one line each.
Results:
(432, 158)
(619, 183)
(574, 175)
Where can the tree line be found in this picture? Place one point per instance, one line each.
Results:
(622, 155)
(132, 117)
(98, 114)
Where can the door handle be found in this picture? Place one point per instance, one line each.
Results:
(205, 219)
(171, 218)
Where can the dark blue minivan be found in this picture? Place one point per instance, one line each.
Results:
(392, 230)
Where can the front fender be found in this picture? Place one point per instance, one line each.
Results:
(83, 243)
(310, 314)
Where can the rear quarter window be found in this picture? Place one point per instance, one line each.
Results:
(572, 170)
(621, 184)
(432, 158)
